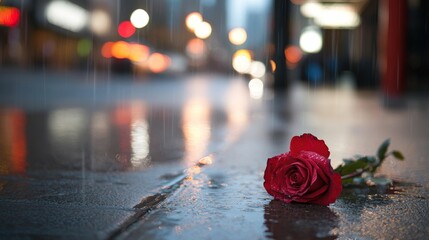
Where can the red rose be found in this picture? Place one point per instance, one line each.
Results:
(304, 174)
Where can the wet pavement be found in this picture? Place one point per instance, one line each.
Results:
(116, 157)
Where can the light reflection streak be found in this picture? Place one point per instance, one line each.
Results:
(13, 142)
(134, 140)
(196, 128)
(237, 107)
(139, 142)
(139, 136)
(100, 130)
(66, 129)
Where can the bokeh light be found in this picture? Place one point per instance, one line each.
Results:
(196, 48)
(241, 61)
(310, 40)
(158, 62)
(338, 16)
(310, 9)
(67, 15)
(203, 30)
(126, 29)
(135, 52)
(257, 69)
(192, 20)
(273, 65)
(100, 22)
(256, 88)
(9, 16)
(237, 36)
(138, 52)
(106, 50)
(120, 50)
(84, 47)
(293, 54)
(139, 18)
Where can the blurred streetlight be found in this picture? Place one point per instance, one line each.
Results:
(257, 69)
(67, 15)
(338, 16)
(139, 18)
(158, 62)
(310, 40)
(126, 29)
(120, 50)
(100, 22)
(9, 16)
(192, 20)
(311, 8)
(196, 48)
(237, 36)
(293, 54)
(241, 61)
(256, 88)
(203, 30)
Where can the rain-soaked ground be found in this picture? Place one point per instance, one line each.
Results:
(87, 156)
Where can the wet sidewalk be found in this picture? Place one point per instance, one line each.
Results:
(226, 200)
(184, 159)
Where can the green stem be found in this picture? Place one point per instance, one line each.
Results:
(355, 174)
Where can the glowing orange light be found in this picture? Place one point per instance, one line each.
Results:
(196, 48)
(293, 54)
(9, 16)
(158, 62)
(138, 52)
(273, 65)
(120, 50)
(106, 50)
(126, 29)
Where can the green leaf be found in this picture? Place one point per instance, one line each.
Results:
(347, 181)
(398, 155)
(351, 167)
(348, 160)
(381, 152)
(373, 160)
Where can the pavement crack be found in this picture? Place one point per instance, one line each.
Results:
(151, 202)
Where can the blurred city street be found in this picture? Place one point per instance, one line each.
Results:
(122, 159)
(154, 119)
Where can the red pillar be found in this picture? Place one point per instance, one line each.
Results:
(392, 32)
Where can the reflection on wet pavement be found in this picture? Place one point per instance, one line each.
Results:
(69, 148)
(299, 221)
(130, 135)
(143, 163)
(226, 199)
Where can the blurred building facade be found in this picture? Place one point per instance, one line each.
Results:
(38, 39)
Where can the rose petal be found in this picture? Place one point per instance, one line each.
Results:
(321, 164)
(333, 192)
(305, 170)
(308, 142)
